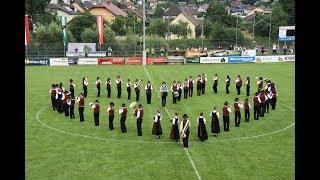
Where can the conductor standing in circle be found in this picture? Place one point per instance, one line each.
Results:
(96, 111)
(156, 129)
(174, 134)
(202, 130)
(148, 89)
(184, 130)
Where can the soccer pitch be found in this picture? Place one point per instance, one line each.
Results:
(58, 147)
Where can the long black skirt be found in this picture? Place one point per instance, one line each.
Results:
(156, 129)
(215, 126)
(174, 134)
(202, 132)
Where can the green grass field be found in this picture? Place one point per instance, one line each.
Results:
(60, 148)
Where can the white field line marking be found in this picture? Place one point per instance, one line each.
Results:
(186, 150)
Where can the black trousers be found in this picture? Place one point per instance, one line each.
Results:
(53, 102)
(85, 91)
(66, 109)
(139, 129)
(185, 93)
(148, 94)
(215, 88)
(96, 119)
(129, 92)
(180, 92)
(227, 88)
(226, 123)
(119, 92)
(198, 89)
(267, 106)
(246, 115)
(59, 106)
(123, 124)
(111, 117)
(190, 91)
(238, 89)
(248, 90)
(237, 118)
(81, 109)
(174, 99)
(109, 92)
(185, 140)
(256, 112)
(203, 88)
(262, 109)
(71, 112)
(273, 103)
(98, 87)
(72, 92)
(164, 99)
(137, 94)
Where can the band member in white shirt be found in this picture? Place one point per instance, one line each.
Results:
(81, 100)
(248, 86)
(215, 83)
(98, 85)
(215, 126)
(175, 93)
(191, 83)
(53, 93)
(256, 106)
(237, 114)
(108, 86)
(71, 102)
(226, 116)
(199, 81)
(72, 86)
(179, 90)
(238, 84)
(139, 118)
(123, 112)
(128, 84)
(59, 98)
(156, 129)
(111, 110)
(203, 85)
(202, 130)
(174, 134)
(136, 86)
(227, 84)
(148, 89)
(259, 83)
(85, 84)
(164, 93)
(246, 107)
(185, 89)
(96, 111)
(184, 130)
(118, 82)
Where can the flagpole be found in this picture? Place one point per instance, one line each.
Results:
(144, 34)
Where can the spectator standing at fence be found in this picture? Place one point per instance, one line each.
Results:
(274, 48)
(96, 112)
(278, 48)
(98, 85)
(285, 48)
(72, 86)
(136, 87)
(164, 93)
(148, 89)
(152, 52)
(81, 100)
(292, 49)
(108, 85)
(227, 84)
(128, 84)
(118, 82)
(147, 52)
(162, 51)
(191, 83)
(215, 83)
(109, 51)
(185, 89)
(85, 84)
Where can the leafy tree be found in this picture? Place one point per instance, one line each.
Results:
(289, 8)
(79, 23)
(249, 2)
(119, 26)
(109, 35)
(181, 29)
(216, 11)
(158, 27)
(89, 35)
(158, 12)
(36, 10)
(279, 18)
(133, 24)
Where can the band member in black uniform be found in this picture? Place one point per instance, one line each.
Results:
(274, 96)
(175, 93)
(179, 90)
(238, 84)
(246, 107)
(226, 116)
(108, 85)
(65, 97)
(215, 83)
(237, 114)
(268, 100)
(184, 130)
(118, 82)
(53, 93)
(136, 86)
(248, 86)
(85, 84)
(259, 83)
(81, 100)
(148, 89)
(185, 89)
(164, 93)
(98, 85)
(227, 84)
(156, 129)
(72, 86)
(174, 134)
(111, 111)
(256, 106)
(123, 113)
(191, 83)
(215, 126)
(96, 112)
(128, 84)
(139, 118)
(202, 130)
(59, 98)
(199, 85)
(263, 99)
(203, 84)
(71, 102)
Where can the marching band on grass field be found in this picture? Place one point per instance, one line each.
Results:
(64, 101)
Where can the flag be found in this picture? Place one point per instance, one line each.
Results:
(26, 30)
(100, 29)
(64, 30)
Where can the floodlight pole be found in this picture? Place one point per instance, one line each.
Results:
(270, 32)
(144, 54)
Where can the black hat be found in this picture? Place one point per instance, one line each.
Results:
(123, 105)
(185, 116)
(111, 104)
(163, 82)
(226, 103)
(140, 106)
(97, 101)
(236, 99)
